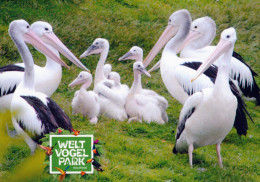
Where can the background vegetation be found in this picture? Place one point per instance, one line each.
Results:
(136, 152)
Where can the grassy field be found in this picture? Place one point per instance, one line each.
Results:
(134, 152)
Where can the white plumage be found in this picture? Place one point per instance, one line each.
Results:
(33, 113)
(143, 104)
(175, 74)
(197, 45)
(47, 78)
(85, 102)
(208, 116)
(111, 100)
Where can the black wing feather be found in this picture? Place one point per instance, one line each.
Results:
(11, 67)
(43, 113)
(181, 127)
(60, 116)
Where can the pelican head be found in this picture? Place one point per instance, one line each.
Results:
(114, 76)
(225, 45)
(45, 32)
(107, 69)
(82, 78)
(139, 67)
(135, 53)
(20, 30)
(98, 47)
(202, 28)
(175, 22)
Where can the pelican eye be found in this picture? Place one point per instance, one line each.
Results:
(139, 66)
(27, 26)
(96, 43)
(80, 76)
(228, 36)
(46, 29)
(195, 27)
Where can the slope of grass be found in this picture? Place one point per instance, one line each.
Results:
(139, 152)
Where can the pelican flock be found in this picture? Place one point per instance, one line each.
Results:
(209, 81)
(33, 113)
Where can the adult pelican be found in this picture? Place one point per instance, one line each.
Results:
(47, 78)
(208, 116)
(85, 102)
(111, 100)
(177, 72)
(197, 45)
(33, 113)
(143, 104)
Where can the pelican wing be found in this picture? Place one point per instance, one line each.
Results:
(43, 113)
(10, 77)
(189, 68)
(188, 109)
(60, 116)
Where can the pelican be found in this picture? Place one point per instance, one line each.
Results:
(111, 100)
(197, 45)
(47, 78)
(117, 83)
(177, 72)
(33, 113)
(85, 102)
(143, 104)
(107, 69)
(136, 53)
(207, 116)
(143, 107)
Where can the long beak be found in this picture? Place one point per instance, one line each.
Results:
(88, 51)
(77, 81)
(193, 35)
(31, 38)
(155, 67)
(144, 71)
(222, 46)
(126, 56)
(168, 33)
(51, 39)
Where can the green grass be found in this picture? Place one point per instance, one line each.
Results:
(139, 152)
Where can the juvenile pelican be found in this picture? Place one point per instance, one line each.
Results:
(107, 69)
(197, 45)
(208, 116)
(177, 72)
(85, 102)
(140, 106)
(111, 100)
(47, 78)
(33, 113)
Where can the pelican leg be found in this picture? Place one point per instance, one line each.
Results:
(135, 118)
(190, 154)
(219, 156)
(93, 120)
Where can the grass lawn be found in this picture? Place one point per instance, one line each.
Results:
(136, 151)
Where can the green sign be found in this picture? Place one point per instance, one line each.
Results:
(72, 151)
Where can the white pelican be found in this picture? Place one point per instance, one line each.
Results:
(202, 33)
(208, 116)
(177, 72)
(107, 69)
(141, 106)
(85, 102)
(33, 113)
(143, 103)
(112, 101)
(117, 83)
(47, 78)
(136, 53)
